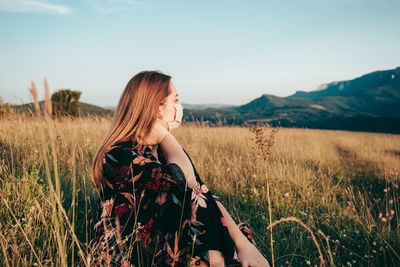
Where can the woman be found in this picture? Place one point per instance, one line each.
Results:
(154, 210)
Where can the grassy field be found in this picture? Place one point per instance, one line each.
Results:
(344, 187)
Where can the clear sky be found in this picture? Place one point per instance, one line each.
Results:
(226, 52)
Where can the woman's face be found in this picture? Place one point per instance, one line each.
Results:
(171, 98)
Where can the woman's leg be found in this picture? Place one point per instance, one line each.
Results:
(216, 258)
(243, 230)
(247, 232)
(235, 233)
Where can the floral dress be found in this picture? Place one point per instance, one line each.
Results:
(148, 216)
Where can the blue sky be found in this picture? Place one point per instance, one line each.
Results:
(227, 52)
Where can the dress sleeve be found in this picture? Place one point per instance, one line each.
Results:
(116, 164)
(122, 166)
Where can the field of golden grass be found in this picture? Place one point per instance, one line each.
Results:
(343, 186)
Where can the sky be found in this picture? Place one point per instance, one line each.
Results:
(225, 52)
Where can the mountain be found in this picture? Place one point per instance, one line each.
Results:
(384, 82)
(204, 106)
(376, 94)
(367, 103)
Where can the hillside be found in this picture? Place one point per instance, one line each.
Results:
(384, 82)
(375, 94)
(85, 109)
(367, 103)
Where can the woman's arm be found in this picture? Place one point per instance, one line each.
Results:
(237, 236)
(175, 154)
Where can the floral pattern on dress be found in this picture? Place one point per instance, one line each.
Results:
(197, 194)
(145, 204)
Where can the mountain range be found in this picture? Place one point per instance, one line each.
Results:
(367, 103)
(370, 102)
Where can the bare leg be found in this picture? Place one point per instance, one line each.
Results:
(237, 236)
(216, 258)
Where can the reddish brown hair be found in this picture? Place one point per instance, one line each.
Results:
(134, 116)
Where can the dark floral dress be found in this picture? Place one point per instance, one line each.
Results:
(148, 216)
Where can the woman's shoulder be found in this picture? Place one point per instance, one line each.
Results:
(124, 155)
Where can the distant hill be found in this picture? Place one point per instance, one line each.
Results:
(205, 106)
(109, 107)
(367, 103)
(85, 109)
(376, 94)
(383, 82)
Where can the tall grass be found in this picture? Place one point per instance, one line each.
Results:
(330, 193)
(265, 145)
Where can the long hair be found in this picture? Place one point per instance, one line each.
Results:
(134, 116)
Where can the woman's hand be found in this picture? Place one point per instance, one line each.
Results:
(157, 134)
(249, 255)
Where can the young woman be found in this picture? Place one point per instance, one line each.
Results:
(154, 210)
